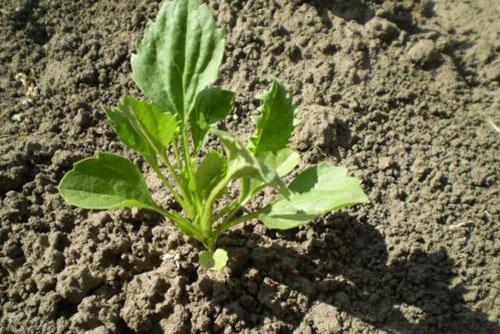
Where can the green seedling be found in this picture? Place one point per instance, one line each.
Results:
(176, 65)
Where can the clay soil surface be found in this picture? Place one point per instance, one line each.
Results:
(403, 93)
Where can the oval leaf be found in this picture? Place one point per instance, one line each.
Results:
(214, 260)
(142, 126)
(106, 181)
(180, 55)
(315, 192)
(212, 106)
(210, 172)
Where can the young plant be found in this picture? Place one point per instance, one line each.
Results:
(176, 65)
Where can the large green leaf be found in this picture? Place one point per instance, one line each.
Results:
(142, 126)
(179, 56)
(212, 106)
(275, 123)
(315, 192)
(210, 172)
(242, 163)
(106, 181)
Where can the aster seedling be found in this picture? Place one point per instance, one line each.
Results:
(176, 65)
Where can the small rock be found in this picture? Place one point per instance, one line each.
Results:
(424, 53)
(98, 330)
(382, 29)
(384, 163)
(471, 295)
(82, 119)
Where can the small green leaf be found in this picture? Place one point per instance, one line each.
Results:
(275, 123)
(283, 162)
(315, 192)
(129, 135)
(210, 172)
(106, 181)
(142, 126)
(214, 260)
(179, 56)
(242, 163)
(212, 106)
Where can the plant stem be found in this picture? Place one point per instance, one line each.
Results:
(229, 224)
(206, 218)
(227, 209)
(176, 154)
(186, 150)
(183, 223)
(167, 183)
(243, 197)
(188, 206)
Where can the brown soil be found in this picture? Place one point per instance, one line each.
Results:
(403, 93)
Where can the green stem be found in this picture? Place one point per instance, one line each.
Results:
(188, 205)
(187, 151)
(244, 196)
(206, 218)
(182, 222)
(229, 224)
(167, 183)
(176, 154)
(227, 209)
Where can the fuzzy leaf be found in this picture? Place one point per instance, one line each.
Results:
(179, 56)
(315, 192)
(283, 161)
(210, 172)
(275, 123)
(106, 181)
(212, 106)
(242, 163)
(129, 135)
(142, 126)
(214, 260)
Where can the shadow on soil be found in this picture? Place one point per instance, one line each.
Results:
(345, 265)
(363, 11)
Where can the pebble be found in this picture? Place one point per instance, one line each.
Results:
(382, 29)
(82, 119)
(424, 53)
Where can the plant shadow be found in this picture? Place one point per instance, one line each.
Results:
(344, 264)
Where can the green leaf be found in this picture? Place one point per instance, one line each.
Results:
(179, 56)
(242, 163)
(106, 181)
(142, 126)
(283, 162)
(214, 260)
(275, 123)
(129, 135)
(210, 172)
(315, 192)
(212, 106)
